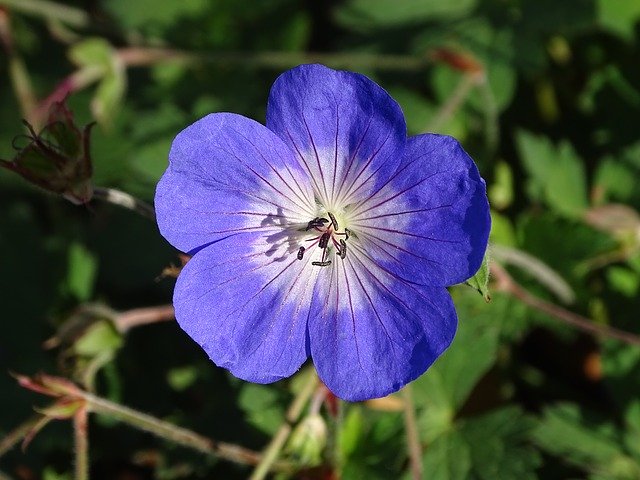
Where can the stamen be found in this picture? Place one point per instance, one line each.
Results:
(334, 222)
(325, 263)
(317, 222)
(324, 240)
(343, 249)
(300, 253)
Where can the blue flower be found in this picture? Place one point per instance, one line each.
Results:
(326, 234)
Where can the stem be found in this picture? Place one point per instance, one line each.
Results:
(175, 434)
(143, 316)
(142, 56)
(125, 200)
(413, 438)
(505, 283)
(81, 437)
(455, 101)
(272, 451)
(44, 8)
(16, 435)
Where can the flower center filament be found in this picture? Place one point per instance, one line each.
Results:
(326, 236)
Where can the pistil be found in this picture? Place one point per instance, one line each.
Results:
(328, 235)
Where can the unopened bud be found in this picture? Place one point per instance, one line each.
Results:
(57, 159)
(308, 440)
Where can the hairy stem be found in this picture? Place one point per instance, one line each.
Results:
(16, 435)
(272, 451)
(413, 438)
(125, 200)
(81, 439)
(51, 10)
(124, 321)
(505, 283)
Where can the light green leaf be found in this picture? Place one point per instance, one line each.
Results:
(92, 52)
(480, 281)
(557, 174)
(619, 16)
(385, 13)
(447, 458)
(261, 406)
(82, 270)
(109, 95)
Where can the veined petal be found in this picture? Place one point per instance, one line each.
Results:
(347, 132)
(229, 174)
(430, 222)
(371, 333)
(245, 300)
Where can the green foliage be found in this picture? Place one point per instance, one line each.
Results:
(544, 95)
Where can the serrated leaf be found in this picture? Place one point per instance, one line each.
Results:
(619, 16)
(92, 52)
(447, 458)
(480, 281)
(260, 404)
(499, 447)
(385, 13)
(557, 175)
(82, 268)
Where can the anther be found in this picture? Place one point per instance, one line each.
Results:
(326, 263)
(300, 253)
(343, 249)
(316, 222)
(324, 240)
(347, 233)
(334, 222)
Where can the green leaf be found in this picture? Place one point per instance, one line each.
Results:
(557, 175)
(447, 458)
(82, 270)
(109, 95)
(501, 190)
(385, 13)
(92, 52)
(98, 339)
(444, 388)
(480, 281)
(260, 404)
(564, 431)
(619, 16)
(499, 446)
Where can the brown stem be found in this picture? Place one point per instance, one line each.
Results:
(81, 438)
(505, 283)
(413, 438)
(143, 316)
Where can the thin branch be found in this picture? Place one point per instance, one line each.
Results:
(542, 272)
(272, 451)
(178, 435)
(505, 283)
(124, 321)
(16, 435)
(144, 56)
(81, 438)
(413, 438)
(125, 200)
(51, 10)
(455, 101)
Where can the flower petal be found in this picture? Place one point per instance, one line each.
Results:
(245, 300)
(430, 223)
(371, 333)
(229, 174)
(343, 127)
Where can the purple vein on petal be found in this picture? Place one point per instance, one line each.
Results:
(304, 161)
(298, 193)
(351, 190)
(373, 307)
(335, 154)
(353, 317)
(315, 151)
(373, 239)
(396, 195)
(409, 234)
(405, 212)
(353, 157)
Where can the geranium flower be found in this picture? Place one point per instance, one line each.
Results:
(326, 234)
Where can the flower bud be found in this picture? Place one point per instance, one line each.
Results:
(308, 440)
(58, 158)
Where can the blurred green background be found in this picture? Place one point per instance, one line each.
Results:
(544, 95)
